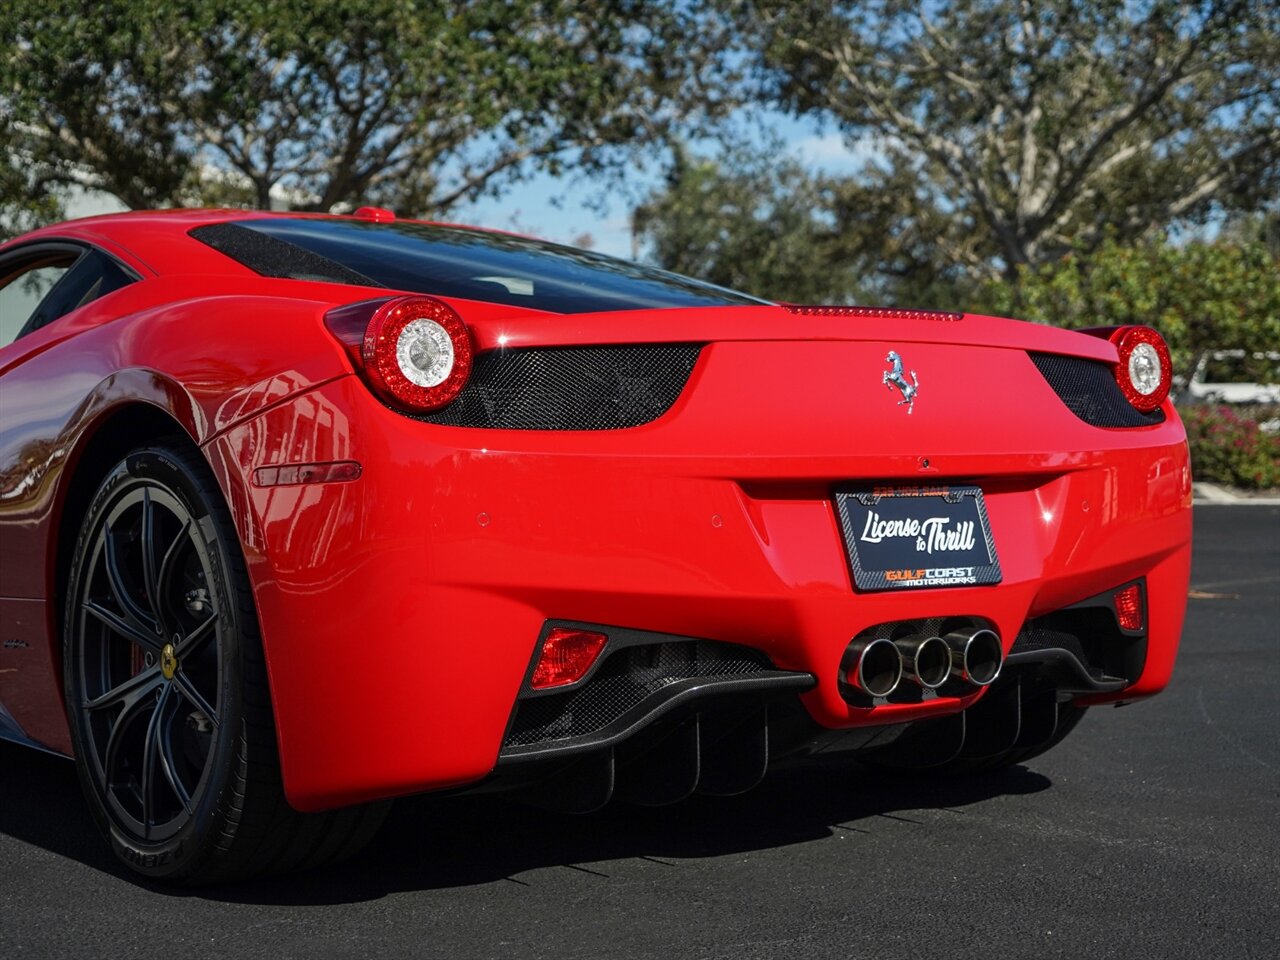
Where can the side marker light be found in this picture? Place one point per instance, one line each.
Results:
(340, 471)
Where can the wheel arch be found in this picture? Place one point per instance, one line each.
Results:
(132, 408)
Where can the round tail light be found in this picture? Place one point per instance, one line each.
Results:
(417, 352)
(1144, 370)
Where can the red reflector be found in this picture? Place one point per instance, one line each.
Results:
(1128, 603)
(567, 655)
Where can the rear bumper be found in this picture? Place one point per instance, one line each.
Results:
(401, 611)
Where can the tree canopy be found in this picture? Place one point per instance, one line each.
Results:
(758, 220)
(1024, 130)
(765, 228)
(321, 103)
(1006, 134)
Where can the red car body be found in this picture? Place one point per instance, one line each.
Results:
(401, 610)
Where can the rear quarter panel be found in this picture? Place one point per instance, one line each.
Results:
(190, 347)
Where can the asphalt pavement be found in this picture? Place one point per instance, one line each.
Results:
(1152, 831)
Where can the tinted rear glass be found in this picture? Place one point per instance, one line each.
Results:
(457, 262)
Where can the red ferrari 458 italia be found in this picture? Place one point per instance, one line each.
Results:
(302, 513)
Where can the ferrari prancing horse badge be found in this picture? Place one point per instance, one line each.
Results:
(893, 377)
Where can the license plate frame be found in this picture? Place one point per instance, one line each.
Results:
(937, 551)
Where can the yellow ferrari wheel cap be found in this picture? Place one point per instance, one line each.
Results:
(168, 661)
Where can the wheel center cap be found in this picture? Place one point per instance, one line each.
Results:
(168, 661)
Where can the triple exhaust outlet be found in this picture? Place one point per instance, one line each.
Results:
(876, 666)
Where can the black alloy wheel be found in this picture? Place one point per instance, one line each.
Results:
(149, 661)
(167, 691)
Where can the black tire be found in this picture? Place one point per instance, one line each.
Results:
(166, 687)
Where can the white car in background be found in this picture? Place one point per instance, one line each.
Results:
(1222, 376)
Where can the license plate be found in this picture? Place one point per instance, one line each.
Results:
(909, 537)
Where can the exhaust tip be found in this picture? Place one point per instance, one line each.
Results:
(875, 666)
(976, 656)
(926, 660)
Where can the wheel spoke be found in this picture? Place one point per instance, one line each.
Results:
(130, 630)
(152, 564)
(167, 765)
(133, 688)
(150, 750)
(192, 642)
(133, 706)
(119, 590)
(188, 690)
(165, 573)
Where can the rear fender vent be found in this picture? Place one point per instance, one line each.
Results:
(1090, 391)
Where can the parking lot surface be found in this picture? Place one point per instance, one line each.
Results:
(1150, 832)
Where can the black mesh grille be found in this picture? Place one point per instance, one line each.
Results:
(1090, 391)
(623, 682)
(571, 388)
(1033, 638)
(1091, 635)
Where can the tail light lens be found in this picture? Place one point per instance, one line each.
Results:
(415, 352)
(1144, 371)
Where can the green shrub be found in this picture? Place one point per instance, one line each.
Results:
(1229, 447)
(1200, 296)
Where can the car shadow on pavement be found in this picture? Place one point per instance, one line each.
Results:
(436, 843)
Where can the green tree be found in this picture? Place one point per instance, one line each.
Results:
(762, 225)
(1200, 296)
(770, 227)
(1026, 130)
(414, 106)
(758, 220)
